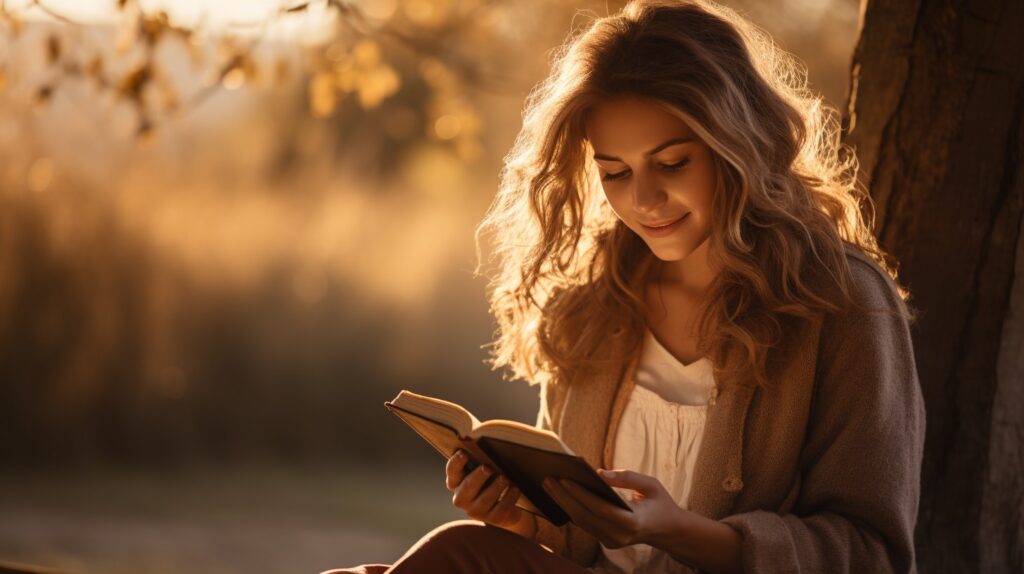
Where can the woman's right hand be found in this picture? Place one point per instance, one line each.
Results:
(494, 504)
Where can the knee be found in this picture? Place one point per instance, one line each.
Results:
(463, 546)
(361, 569)
(464, 534)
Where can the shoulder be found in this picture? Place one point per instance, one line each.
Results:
(871, 326)
(876, 318)
(872, 289)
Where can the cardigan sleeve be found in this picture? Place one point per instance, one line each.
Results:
(861, 460)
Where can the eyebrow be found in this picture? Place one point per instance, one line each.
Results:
(671, 142)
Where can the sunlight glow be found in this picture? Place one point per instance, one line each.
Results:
(238, 17)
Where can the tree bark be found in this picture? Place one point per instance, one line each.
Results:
(936, 115)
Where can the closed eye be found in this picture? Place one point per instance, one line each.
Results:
(666, 166)
(677, 165)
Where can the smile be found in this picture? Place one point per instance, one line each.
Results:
(663, 230)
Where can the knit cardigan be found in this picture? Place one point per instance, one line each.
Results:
(818, 472)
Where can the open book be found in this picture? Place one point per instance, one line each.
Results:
(524, 454)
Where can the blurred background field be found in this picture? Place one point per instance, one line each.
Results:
(261, 519)
(229, 231)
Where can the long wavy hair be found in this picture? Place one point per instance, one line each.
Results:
(787, 205)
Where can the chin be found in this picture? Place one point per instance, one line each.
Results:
(668, 254)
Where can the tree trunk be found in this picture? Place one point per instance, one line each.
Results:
(936, 115)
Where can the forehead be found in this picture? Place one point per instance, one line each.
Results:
(632, 124)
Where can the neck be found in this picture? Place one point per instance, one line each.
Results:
(691, 274)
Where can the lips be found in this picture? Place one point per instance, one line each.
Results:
(665, 228)
(663, 224)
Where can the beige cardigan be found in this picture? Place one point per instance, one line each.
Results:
(821, 473)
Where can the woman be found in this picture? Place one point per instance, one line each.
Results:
(685, 271)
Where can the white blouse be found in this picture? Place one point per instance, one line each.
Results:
(659, 434)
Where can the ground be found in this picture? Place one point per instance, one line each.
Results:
(254, 520)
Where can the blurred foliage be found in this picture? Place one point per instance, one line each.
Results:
(364, 56)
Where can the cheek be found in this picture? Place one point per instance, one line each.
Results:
(712, 185)
(618, 199)
(709, 181)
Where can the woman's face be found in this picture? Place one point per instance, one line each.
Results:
(658, 176)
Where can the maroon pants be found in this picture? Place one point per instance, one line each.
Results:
(472, 546)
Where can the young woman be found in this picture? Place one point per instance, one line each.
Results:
(686, 273)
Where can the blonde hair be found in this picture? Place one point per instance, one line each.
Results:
(568, 271)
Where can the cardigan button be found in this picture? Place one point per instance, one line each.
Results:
(732, 484)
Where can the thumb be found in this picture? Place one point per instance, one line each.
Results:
(629, 479)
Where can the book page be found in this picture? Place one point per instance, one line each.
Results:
(440, 436)
(444, 412)
(523, 434)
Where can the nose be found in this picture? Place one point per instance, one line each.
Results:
(648, 194)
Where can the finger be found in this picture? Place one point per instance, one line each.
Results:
(634, 480)
(454, 469)
(470, 486)
(488, 497)
(579, 514)
(505, 510)
(610, 532)
(597, 505)
(582, 517)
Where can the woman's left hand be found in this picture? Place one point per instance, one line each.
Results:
(655, 515)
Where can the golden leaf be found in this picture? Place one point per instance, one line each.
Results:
(169, 97)
(125, 38)
(323, 99)
(378, 84)
(94, 70)
(335, 52)
(427, 13)
(251, 70)
(134, 82)
(233, 79)
(196, 53)
(52, 48)
(447, 127)
(280, 71)
(40, 174)
(347, 77)
(436, 73)
(468, 149)
(42, 95)
(144, 131)
(13, 22)
(152, 27)
(380, 9)
(366, 53)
